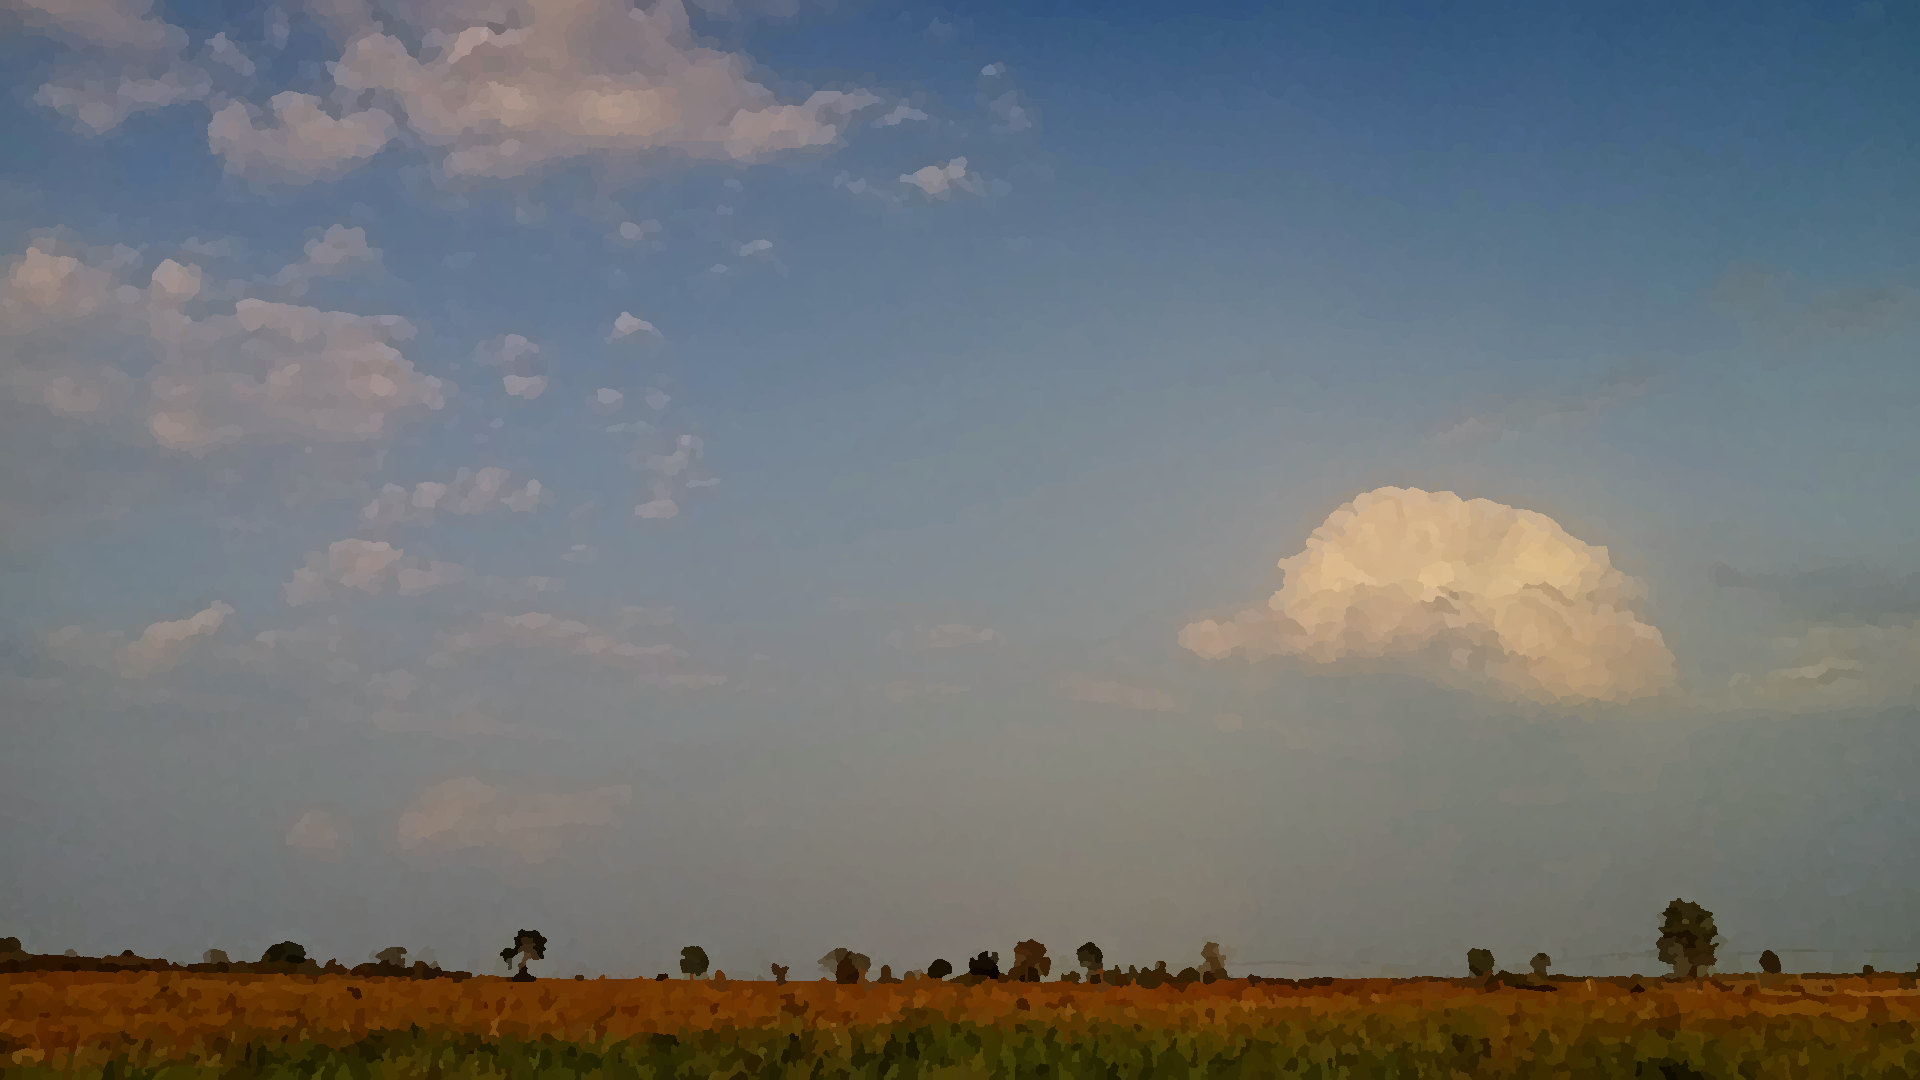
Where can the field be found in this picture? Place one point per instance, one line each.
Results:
(177, 1026)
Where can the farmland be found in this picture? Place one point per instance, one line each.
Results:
(176, 1025)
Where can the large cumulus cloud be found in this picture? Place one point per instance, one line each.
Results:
(1468, 592)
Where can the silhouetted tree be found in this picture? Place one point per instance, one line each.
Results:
(984, 966)
(1688, 937)
(1030, 961)
(1770, 962)
(693, 961)
(527, 945)
(286, 952)
(1090, 958)
(779, 975)
(215, 956)
(1212, 962)
(939, 969)
(1480, 962)
(10, 946)
(886, 975)
(845, 966)
(393, 956)
(1541, 962)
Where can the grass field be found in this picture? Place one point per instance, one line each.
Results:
(175, 1026)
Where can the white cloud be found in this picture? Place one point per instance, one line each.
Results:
(1077, 687)
(370, 566)
(938, 181)
(267, 373)
(606, 399)
(118, 24)
(943, 636)
(1825, 668)
(524, 386)
(339, 250)
(635, 231)
(159, 648)
(98, 101)
(472, 491)
(225, 52)
(754, 247)
(1012, 116)
(588, 78)
(657, 508)
(1468, 592)
(628, 324)
(900, 114)
(301, 142)
(317, 833)
(657, 399)
(540, 630)
(994, 70)
(468, 812)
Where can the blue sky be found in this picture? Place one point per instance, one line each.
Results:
(862, 595)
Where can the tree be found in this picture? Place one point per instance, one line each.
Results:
(693, 961)
(9, 946)
(215, 956)
(1090, 958)
(1688, 938)
(1541, 962)
(393, 956)
(779, 975)
(984, 966)
(939, 969)
(1030, 962)
(845, 966)
(1480, 962)
(527, 945)
(286, 952)
(1770, 962)
(1213, 964)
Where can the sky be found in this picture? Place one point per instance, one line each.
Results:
(1340, 481)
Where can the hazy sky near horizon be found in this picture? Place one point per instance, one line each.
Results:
(1345, 484)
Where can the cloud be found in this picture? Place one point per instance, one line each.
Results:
(1513, 416)
(113, 24)
(370, 566)
(670, 474)
(754, 247)
(267, 373)
(1773, 302)
(317, 833)
(1078, 687)
(900, 114)
(523, 371)
(629, 324)
(524, 386)
(98, 101)
(1825, 668)
(657, 399)
(939, 181)
(468, 812)
(1840, 593)
(943, 636)
(1469, 593)
(606, 400)
(339, 250)
(593, 78)
(159, 648)
(1009, 113)
(633, 232)
(542, 631)
(301, 143)
(471, 491)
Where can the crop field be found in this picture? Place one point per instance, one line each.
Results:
(176, 1026)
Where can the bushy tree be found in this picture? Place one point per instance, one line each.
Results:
(1770, 962)
(1541, 962)
(527, 945)
(1688, 937)
(845, 966)
(779, 975)
(984, 966)
(693, 961)
(285, 952)
(1030, 961)
(939, 969)
(10, 946)
(392, 956)
(1212, 963)
(1480, 962)
(215, 956)
(1090, 958)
